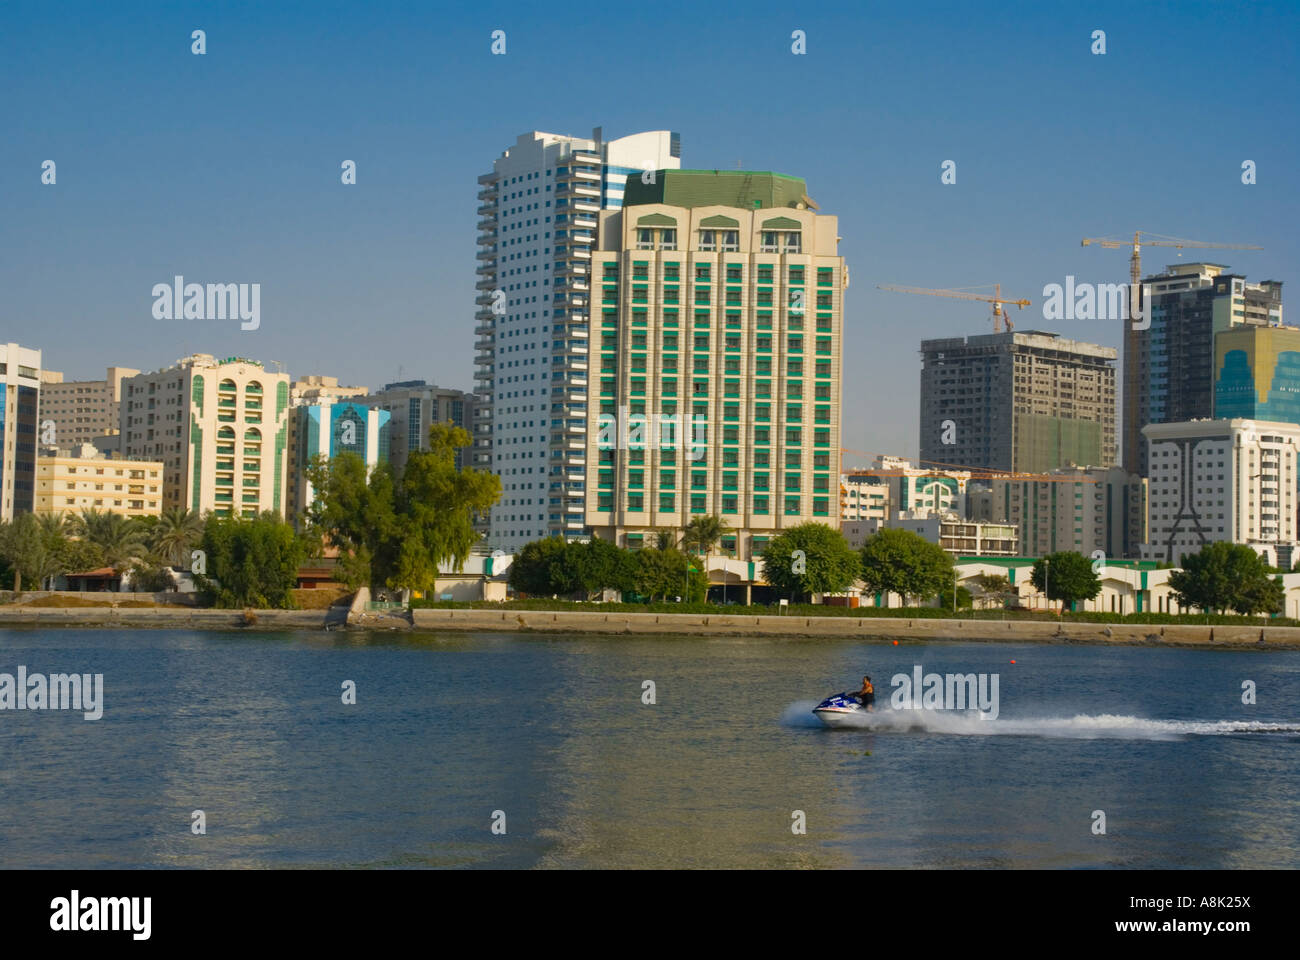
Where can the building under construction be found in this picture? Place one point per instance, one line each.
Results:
(1025, 402)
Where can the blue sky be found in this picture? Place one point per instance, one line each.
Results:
(225, 167)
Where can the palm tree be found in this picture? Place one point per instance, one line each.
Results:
(119, 537)
(665, 540)
(177, 530)
(702, 533)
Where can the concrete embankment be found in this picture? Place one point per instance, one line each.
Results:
(661, 624)
(177, 618)
(856, 628)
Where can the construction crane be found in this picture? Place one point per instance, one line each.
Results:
(1132, 331)
(997, 300)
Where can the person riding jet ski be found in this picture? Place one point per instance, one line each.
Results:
(867, 695)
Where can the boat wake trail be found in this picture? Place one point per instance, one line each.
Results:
(1079, 727)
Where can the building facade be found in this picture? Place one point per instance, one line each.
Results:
(1082, 509)
(81, 478)
(83, 411)
(20, 397)
(1222, 480)
(327, 427)
(538, 223)
(413, 407)
(1173, 360)
(1019, 402)
(1257, 373)
(221, 429)
(715, 361)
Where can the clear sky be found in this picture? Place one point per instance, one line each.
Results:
(226, 167)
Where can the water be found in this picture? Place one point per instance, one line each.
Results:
(448, 728)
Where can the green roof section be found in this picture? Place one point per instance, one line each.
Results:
(718, 220)
(656, 220)
(747, 189)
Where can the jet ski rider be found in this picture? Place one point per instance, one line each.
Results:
(867, 695)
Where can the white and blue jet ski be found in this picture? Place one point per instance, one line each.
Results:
(841, 710)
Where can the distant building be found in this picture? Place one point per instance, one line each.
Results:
(20, 392)
(221, 429)
(69, 480)
(328, 427)
(1170, 367)
(1100, 510)
(1257, 374)
(83, 411)
(1222, 480)
(414, 406)
(966, 538)
(863, 497)
(1022, 401)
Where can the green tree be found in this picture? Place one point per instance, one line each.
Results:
(435, 505)
(902, 562)
(996, 586)
(174, 535)
(33, 549)
(542, 569)
(702, 533)
(598, 565)
(810, 558)
(121, 539)
(1065, 576)
(964, 598)
(659, 574)
(352, 510)
(1224, 576)
(251, 562)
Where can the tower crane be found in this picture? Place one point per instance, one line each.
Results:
(997, 300)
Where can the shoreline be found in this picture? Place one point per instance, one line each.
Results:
(661, 624)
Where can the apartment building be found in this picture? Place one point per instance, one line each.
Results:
(1083, 509)
(1222, 480)
(82, 411)
(20, 393)
(1171, 365)
(715, 361)
(538, 211)
(69, 480)
(1257, 373)
(327, 427)
(1021, 401)
(413, 407)
(220, 428)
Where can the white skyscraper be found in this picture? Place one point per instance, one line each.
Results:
(538, 223)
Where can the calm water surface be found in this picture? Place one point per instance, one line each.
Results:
(448, 728)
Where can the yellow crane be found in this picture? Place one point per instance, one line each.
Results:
(1132, 331)
(997, 300)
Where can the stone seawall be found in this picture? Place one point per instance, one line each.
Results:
(680, 624)
(859, 628)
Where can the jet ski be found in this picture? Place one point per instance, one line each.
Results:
(841, 710)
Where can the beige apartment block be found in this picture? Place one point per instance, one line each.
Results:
(82, 410)
(714, 361)
(221, 429)
(72, 480)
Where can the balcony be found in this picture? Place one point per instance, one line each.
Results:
(485, 330)
(487, 253)
(584, 158)
(488, 210)
(487, 179)
(584, 205)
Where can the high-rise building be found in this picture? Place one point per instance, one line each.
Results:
(1173, 363)
(414, 407)
(221, 429)
(328, 426)
(69, 480)
(1086, 510)
(715, 362)
(1257, 373)
(1222, 480)
(539, 207)
(20, 393)
(83, 410)
(1023, 401)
